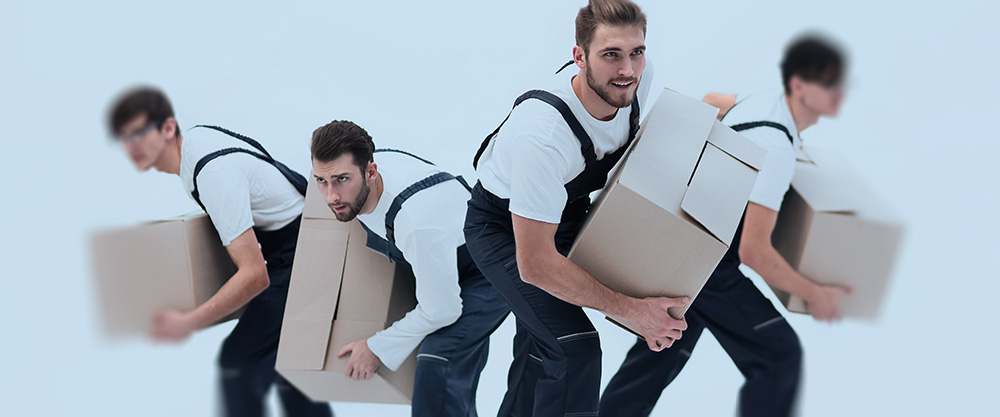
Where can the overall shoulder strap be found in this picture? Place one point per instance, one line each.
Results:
(458, 178)
(763, 123)
(208, 158)
(397, 203)
(297, 180)
(586, 144)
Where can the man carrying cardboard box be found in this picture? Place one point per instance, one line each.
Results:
(414, 214)
(753, 333)
(536, 173)
(255, 203)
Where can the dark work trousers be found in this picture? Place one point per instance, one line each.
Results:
(248, 354)
(755, 335)
(450, 360)
(556, 370)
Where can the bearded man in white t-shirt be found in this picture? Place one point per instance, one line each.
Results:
(536, 173)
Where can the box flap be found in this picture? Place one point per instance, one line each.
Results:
(737, 145)
(673, 136)
(312, 294)
(718, 192)
(368, 281)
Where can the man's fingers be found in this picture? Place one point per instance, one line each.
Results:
(675, 302)
(653, 344)
(345, 350)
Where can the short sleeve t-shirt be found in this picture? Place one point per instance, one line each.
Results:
(238, 190)
(535, 153)
(775, 175)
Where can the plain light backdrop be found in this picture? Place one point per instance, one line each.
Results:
(436, 77)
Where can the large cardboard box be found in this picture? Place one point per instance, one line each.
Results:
(341, 291)
(834, 229)
(671, 209)
(177, 263)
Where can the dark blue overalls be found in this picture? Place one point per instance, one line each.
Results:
(248, 354)
(556, 370)
(449, 360)
(754, 334)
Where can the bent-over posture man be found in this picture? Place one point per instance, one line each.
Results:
(753, 333)
(255, 203)
(414, 214)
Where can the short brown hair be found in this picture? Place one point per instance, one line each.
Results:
(609, 12)
(338, 137)
(138, 101)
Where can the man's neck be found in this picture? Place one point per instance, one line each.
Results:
(803, 116)
(170, 159)
(595, 105)
(374, 196)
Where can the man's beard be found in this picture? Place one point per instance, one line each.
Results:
(604, 91)
(354, 207)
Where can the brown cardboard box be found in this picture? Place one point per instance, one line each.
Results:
(340, 292)
(834, 229)
(670, 210)
(176, 263)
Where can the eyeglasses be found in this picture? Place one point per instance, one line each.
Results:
(141, 133)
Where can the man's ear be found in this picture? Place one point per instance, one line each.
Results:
(170, 127)
(795, 85)
(371, 171)
(579, 57)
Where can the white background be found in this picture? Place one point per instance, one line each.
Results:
(435, 78)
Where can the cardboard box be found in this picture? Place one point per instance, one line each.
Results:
(341, 291)
(176, 263)
(670, 210)
(834, 229)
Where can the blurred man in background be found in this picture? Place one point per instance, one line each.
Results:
(255, 203)
(754, 334)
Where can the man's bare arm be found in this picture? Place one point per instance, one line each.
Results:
(249, 280)
(723, 102)
(541, 265)
(757, 252)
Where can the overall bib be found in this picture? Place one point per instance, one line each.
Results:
(754, 334)
(556, 370)
(248, 354)
(449, 360)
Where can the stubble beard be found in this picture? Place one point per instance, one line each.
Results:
(354, 207)
(604, 91)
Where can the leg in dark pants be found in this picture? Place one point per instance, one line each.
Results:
(757, 338)
(247, 359)
(563, 336)
(450, 360)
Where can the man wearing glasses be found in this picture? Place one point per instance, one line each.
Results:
(255, 203)
(753, 333)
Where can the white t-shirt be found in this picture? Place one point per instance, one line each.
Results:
(536, 154)
(238, 190)
(775, 175)
(428, 230)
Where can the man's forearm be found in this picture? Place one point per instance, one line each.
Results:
(568, 282)
(242, 287)
(773, 268)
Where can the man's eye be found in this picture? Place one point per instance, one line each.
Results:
(611, 54)
(320, 180)
(341, 179)
(637, 52)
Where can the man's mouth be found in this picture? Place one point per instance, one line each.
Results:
(338, 207)
(623, 83)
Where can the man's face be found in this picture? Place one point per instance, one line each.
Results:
(344, 185)
(615, 63)
(144, 141)
(822, 98)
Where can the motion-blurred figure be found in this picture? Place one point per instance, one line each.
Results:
(255, 203)
(753, 333)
